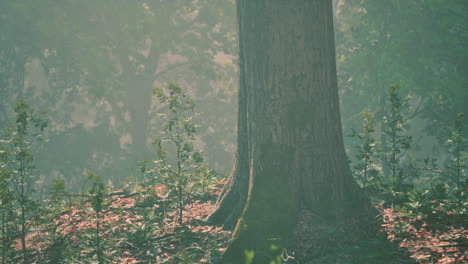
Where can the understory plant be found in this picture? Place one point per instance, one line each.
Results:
(365, 166)
(97, 194)
(395, 129)
(179, 165)
(19, 171)
(436, 190)
(458, 154)
(6, 207)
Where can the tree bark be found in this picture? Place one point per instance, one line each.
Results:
(234, 195)
(290, 154)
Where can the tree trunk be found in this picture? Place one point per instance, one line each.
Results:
(234, 195)
(291, 155)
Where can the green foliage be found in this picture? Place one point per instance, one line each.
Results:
(6, 208)
(93, 241)
(58, 245)
(376, 49)
(59, 248)
(97, 193)
(431, 182)
(439, 191)
(141, 235)
(399, 228)
(458, 151)
(429, 173)
(275, 255)
(59, 197)
(365, 166)
(396, 141)
(18, 169)
(57, 190)
(418, 202)
(249, 256)
(179, 165)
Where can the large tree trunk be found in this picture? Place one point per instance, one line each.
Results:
(232, 200)
(290, 148)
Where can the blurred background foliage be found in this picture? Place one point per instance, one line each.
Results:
(93, 65)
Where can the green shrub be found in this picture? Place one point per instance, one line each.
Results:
(365, 167)
(179, 166)
(18, 173)
(394, 129)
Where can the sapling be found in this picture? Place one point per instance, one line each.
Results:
(364, 168)
(6, 200)
(179, 165)
(19, 163)
(457, 149)
(57, 242)
(97, 194)
(394, 129)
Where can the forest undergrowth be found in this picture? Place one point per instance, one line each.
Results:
(131, 233)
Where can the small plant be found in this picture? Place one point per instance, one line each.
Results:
(395, 126)
(439, 191)
(457, 149)
(429, 173)
(97, 194)
(179, 165)
(364, 168)
(418, 201)
(399, 228)
(56, 242)
(6, 213)
(59, 198)
(17, 143)
(140, 235)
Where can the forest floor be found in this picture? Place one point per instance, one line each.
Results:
(441, 238)
(130, 232)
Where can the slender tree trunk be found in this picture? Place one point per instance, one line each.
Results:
(23, 234)
(98, 239)
(364, 186)
(290, 144)
(458, 166)
(393, 160)
(22, 199)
